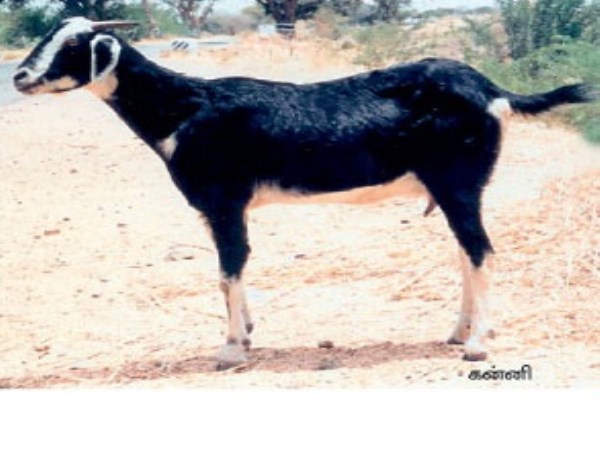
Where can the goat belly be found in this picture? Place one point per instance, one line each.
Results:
(404, 186)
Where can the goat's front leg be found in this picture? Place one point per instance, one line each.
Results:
(231, 239)
(233, 352)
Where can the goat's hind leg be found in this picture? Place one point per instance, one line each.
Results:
(476, 255)
(475, 314)
(462, 209)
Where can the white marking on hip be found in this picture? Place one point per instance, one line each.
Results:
(406, 186)
(500, 108)
(166, 148)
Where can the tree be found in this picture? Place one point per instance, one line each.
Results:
(533, 25)
(92, 9)
(14, 4)
(556, 18)
(288, 11)
(193, 13)
(346, 8)
(153, 30)
(517, 19)
(389, 10)
(591, 18)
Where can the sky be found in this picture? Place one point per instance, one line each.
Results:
(420, 5)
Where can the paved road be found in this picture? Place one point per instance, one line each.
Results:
(8, 94)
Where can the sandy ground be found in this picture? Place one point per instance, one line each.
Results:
(108, 278)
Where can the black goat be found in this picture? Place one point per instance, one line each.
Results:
(233, 143)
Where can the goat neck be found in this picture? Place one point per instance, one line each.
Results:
(151, 99)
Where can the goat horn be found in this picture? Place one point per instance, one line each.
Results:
(112, 24)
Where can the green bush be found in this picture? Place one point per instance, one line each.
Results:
(563, 62)
(20, 28)
(24, 26)
(380, 44)
(166, 20)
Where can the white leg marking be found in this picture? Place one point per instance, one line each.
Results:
(166, 148)
(461, 331)
(233, 352)
(473, 324)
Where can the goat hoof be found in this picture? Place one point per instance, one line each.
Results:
(249, 327)
(473, 357)
(226, 365)
(454, 341)
(231, 355)
(246, 343)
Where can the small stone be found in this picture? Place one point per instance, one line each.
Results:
(327, 364)
(181, 254)
(325, 344)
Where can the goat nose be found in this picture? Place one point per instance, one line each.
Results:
(20, 75)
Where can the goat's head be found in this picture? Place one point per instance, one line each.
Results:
(77, 52)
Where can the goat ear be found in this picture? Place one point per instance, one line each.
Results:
(105, 51)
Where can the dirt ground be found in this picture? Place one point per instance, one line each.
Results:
(109, 279)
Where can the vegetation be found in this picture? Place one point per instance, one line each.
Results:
(523, 45)
(381, 43)
(566, 61)
(19, 27)
(531, 25)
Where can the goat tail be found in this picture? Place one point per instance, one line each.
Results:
(538, 103)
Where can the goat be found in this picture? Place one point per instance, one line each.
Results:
(230, 144)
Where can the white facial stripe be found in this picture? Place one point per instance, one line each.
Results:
(74, 26)
(115, 51)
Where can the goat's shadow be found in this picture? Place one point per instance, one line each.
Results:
(295, 359)
(278, 360)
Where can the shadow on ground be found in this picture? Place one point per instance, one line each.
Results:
(288, 360)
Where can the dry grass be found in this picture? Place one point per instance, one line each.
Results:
(109, 280)
(12, 54)
(300, 60)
